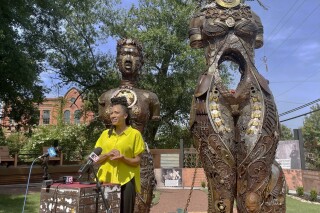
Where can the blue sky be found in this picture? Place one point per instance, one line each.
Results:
(291, 49)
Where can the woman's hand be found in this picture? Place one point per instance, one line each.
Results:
(102, 158)
(115, 155)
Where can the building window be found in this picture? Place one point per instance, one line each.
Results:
(46, 117)
(73, 100)
(77, 116)
(66, 116)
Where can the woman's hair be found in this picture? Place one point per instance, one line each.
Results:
(122, 101)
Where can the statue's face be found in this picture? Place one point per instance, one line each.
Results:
(129, 60)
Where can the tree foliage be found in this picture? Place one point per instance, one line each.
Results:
(171, 67)
(68, 38)
(311, 137)
(77, 42)
(286, 133)
(22, 50)
(60, 37)
(76, 140)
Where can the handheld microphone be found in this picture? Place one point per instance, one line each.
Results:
(93, 157)
(52, 152)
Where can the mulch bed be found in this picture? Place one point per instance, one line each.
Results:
(305, 198)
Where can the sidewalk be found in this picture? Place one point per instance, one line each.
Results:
(17, 189)
(174, 200)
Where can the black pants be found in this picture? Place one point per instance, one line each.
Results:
(128, 197)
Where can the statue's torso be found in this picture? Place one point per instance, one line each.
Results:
(140, 105)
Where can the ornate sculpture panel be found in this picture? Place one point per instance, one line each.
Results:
(236, 132)
(144, 106)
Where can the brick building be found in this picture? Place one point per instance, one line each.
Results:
(69, 108)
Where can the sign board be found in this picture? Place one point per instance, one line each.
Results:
(172, 177)
(288, 154)
(171, 182)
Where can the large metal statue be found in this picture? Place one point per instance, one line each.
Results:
(144, 106)
(236, 132)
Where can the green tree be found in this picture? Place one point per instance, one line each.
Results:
(76, 140)
(73, 34)
(77, 39)
(21, 52)
(171, 67)
(2, 137)
(60, 37)
(286, 133)
(311, 134)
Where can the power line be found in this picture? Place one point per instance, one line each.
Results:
(302, 42)
(300, 115)
(303, 81)
(295, 30)
(281, 82)
(300, 107)
(288, 102)
(271, 35)
(281, 20)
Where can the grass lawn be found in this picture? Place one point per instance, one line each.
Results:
(295, 206)
(14, 203)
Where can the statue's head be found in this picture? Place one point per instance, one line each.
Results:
(129, 56)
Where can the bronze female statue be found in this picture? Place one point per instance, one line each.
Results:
(235, 132)
(144, 106)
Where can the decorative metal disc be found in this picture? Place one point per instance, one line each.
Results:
(230, 22)
(130, 95)
(228, 3)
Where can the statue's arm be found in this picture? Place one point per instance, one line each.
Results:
(104, 102)
(259, 38)
(154, 107)
(195, 31)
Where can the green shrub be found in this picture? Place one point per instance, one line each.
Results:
(300, 191)
(15, 141)
(76, 140)
(203, 184)
(2, 138)
(313, 195)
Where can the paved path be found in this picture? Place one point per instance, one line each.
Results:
(173, 199)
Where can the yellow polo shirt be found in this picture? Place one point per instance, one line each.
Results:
(130, 144)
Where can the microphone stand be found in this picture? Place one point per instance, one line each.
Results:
(99, 191)
(44, 165)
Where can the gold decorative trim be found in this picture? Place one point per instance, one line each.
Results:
(130, 95)
(228, 3)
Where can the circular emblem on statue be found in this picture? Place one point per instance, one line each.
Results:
(230, 22)
(130, 95)
(228, 3)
